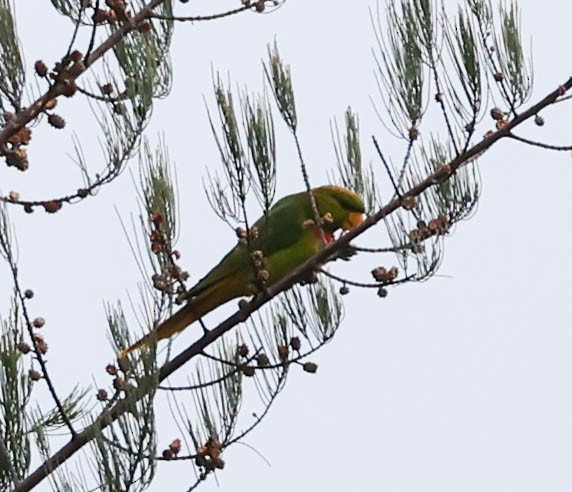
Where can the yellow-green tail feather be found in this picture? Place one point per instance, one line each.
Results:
(196, 308)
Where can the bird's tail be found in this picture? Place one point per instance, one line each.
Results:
(195, 309)
(177, 322)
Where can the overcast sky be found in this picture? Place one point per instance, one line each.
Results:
(461, 383)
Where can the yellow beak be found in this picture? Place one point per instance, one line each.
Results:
(353, 219)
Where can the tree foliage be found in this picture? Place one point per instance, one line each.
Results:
(429, 62)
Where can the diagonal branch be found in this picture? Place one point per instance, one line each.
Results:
(25, 116)
(123, 406)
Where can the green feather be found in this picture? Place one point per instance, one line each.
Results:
(282, 236)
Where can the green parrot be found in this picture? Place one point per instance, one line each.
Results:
(280, 241)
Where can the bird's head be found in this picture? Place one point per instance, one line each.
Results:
(345, 207)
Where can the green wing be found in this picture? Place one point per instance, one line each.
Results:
(283, 237)
(278, 231)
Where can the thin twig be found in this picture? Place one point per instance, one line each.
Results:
(197, 483)
(441, 102)
(126, 450)
(199, 18)
(496, 69)
(365, 285)
(92, 37)
(260, 417)
(236, 368)
(562, 99)
(191, 387)
(406, 160)
(540, 144)
(278, 365)
(387, 249)
(387, 167)
(39, 356)
(106, 99)
(82, 7)
(306, 179)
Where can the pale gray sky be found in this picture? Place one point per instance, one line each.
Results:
(461, 383)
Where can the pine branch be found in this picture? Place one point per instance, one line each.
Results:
(22, 118)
